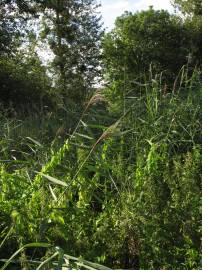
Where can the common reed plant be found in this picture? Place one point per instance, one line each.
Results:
(122, 190)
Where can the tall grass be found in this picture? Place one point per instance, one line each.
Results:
(123, 189)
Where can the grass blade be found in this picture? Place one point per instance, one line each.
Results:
(47, 260)
(54, 180)
(44, 245)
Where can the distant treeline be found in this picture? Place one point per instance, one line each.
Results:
(140, 45)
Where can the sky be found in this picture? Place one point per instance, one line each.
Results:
(111, 9)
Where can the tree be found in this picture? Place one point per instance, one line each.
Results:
(23, 78)
(24, 84)
(193, 7)
(73, 31)
(8, 28)
(148, 40)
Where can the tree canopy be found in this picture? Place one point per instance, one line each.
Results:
(73, 32)
(150, 40)
(70, 29)
(193, 7)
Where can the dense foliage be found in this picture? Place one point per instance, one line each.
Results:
(150, 42)
(73, 33)
(128, 196)
(115, 180)
(192, 7)
(24, 84)
(71, 30)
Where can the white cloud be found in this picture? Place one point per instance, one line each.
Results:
(113, 8)
(110, 10)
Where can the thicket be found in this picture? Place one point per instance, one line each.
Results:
(115, 180)
(127, 195)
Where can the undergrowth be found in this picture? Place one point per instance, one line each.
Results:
(120, 186)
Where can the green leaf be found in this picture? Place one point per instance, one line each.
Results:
(34, 141)
(87, 264)
(54, 180)
(33, 245)
(83, 136)
(47, 261)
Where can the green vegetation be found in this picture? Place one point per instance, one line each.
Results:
(106, 178)
(150, 42)
(191, 7)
